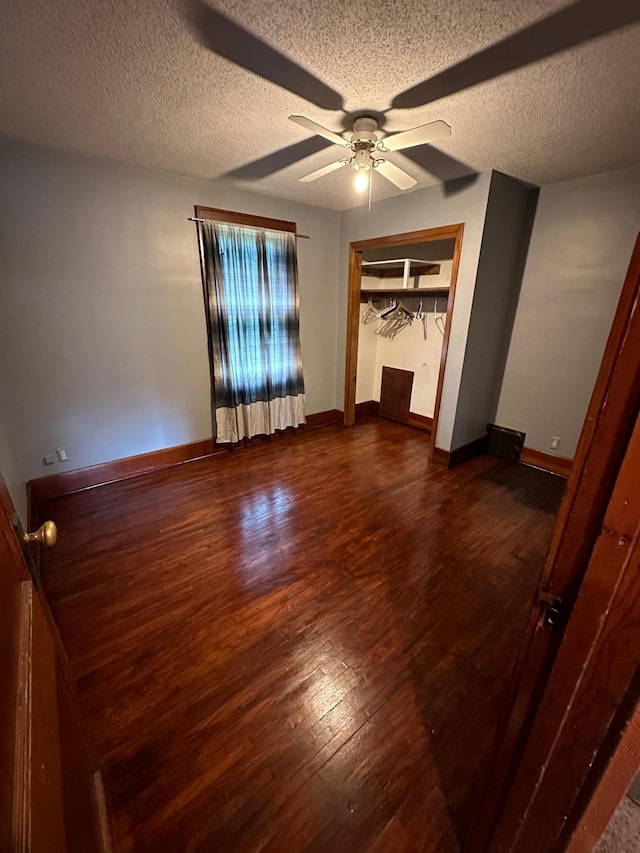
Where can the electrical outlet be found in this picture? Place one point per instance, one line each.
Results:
(63, 456)
(555, 442)
(49, 459)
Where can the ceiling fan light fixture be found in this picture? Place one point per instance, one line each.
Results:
(361, 181)
(362, 160)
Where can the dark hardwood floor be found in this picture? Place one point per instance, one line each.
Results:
(303, 645)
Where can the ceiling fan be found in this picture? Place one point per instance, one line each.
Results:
(575, 23)
(365, 143)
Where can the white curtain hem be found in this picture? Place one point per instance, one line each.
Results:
(261, 418)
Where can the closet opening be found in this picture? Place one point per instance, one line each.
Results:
(401, 299)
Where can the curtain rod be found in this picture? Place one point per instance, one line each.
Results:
(193, 219)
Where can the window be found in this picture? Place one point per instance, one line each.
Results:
(251, 301)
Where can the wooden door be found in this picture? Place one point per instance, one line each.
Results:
(605, 437)
(51, 792)
(395, 394)
(593, 686)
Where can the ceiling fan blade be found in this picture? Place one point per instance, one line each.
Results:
(223, 36)
(455, 175)
(579, 22)
(396, 175)
(326, 170)
(314, 127)
(277, 160)
(418, 136)
(442, 166)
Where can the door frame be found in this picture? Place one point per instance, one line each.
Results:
(33, 729)
(356, 248)
(517, 772)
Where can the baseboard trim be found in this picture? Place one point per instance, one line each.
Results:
(559, 465)
(67, 482)
(441, 458)
(79, 479)
(364, 410)
(451, 459)
(320, 419)
(420, 422)
(372, 407)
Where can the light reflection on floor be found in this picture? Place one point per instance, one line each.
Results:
(267, 508)
(264, 516)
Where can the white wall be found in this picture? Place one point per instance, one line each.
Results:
(580, 248)
(428, 208)
(102, 331)
(366, 385)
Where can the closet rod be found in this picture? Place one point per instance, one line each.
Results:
(193, 219)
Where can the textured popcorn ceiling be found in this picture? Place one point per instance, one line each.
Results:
(127, 79)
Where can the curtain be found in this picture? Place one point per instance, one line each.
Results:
(252, 306)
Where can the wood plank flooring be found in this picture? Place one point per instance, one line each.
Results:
(300, 646)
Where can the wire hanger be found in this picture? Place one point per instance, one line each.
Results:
(439, 321)
(370, 314)
(423, 318)
(395, 320)
(388, 310)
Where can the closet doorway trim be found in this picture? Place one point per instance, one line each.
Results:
(445, 232)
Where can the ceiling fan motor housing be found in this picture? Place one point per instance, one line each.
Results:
(364, 132)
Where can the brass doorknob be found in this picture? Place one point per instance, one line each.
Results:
(46, 534)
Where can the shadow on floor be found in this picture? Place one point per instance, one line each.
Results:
(532, 487)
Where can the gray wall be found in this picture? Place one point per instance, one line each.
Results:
(428, 208)
(102, 333)
(505, 240)
(581, 244)
(10, 468)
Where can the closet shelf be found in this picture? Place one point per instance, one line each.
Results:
(395, 268)
(390, 292)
